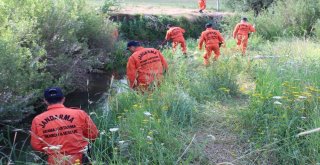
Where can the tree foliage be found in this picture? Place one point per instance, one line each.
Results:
(48, 42)
(245, 5)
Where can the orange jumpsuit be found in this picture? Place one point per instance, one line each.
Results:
(145, 66)
(202, 4)
(176, 34)
(62, 126)
(241, 32)
(211, 38)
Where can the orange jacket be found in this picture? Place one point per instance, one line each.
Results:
(210, 37)
(144, 65)
(202, 4)
(243, 28)
(175, 33)
(62, 126)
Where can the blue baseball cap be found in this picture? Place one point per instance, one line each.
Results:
(53, 93)
(132, 43)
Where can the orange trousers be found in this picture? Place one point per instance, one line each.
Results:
(207, 55)
(180, 41)
(62, 159)
(242, 42)
(202, 5)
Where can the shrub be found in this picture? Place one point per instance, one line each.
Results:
(288, 18)
(153, 28)
(316, 29)
(56, 42)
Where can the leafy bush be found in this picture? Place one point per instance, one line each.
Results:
(288, 18)
(49, 42)
(110, 5)
(316, 28)
(153, 28)
(255, 5)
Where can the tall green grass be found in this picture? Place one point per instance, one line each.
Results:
(155, 128)
(285, 103)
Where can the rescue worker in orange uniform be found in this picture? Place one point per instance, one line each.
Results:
(62, 133)
(202, 5)
(212, 39)
(145, 66)
(241, 34)
(175, 34)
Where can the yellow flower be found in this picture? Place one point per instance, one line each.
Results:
(222, 89)
(286, 83)
(165, 108)
(145, 121)
(256, 94)
(242, 89)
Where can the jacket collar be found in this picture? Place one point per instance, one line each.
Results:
(55, 106)
(138, 49)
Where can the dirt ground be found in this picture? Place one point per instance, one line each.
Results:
(165, 10)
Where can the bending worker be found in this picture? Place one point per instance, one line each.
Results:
(202, 5)
(212, 39)
(62, 133)
(241, 33)
(145, 66)
(175, 34)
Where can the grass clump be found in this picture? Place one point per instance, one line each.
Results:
(285, 103)
(156, 128)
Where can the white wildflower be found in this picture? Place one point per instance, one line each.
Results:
(103, 132)
(148, 114)
(114, 129)
(212, 137)
(92, 113)
(302, 97)
(121, 142)
(303, 117)
(277, 103)
(277, 97)
(149, 138)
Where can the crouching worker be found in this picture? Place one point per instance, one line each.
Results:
(212, 39)
(145, 66)
(175, 34)
(62, 133)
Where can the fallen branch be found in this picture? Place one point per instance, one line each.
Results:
(185, 151)
(308, 132)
